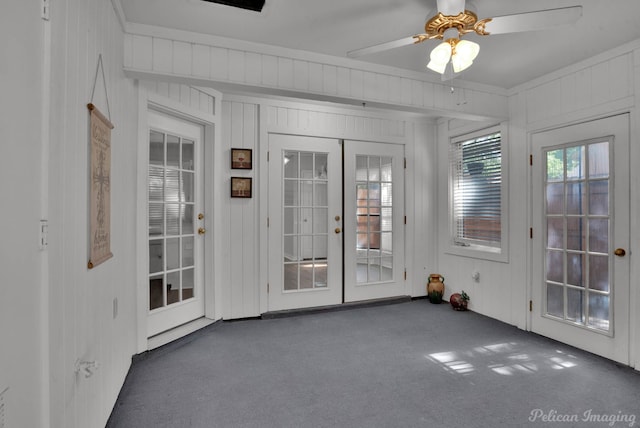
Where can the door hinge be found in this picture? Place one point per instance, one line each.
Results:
(268, 156)
(267, 288)
(531, 233)
(405, 274)
(530, 159)
(405, 219)
(44, 12)
(267, 221)
(530, 305)
(405, 163)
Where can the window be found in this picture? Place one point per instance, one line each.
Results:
(476, 192)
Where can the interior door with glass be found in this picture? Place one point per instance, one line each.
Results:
(580, 281)
(305, 224)
(374, 220)
(175, 221)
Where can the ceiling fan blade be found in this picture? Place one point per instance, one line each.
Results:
(450, 7)
(382, 47)
(532, 21)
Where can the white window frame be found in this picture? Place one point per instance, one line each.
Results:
(495, 252)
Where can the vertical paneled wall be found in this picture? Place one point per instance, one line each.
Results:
(240, 263)
(92, 312)
(23, 305)
(188, 96)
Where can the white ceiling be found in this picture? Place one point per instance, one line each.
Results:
(335, 27)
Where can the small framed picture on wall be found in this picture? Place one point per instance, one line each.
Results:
(241, 159)
(240, 187)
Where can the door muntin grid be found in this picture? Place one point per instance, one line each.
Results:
(578, 287)
(305, 220)
(171, 210)
(374, 219)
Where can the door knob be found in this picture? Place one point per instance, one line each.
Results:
(338, 230)
(200, 216)
(620, 252)
(337, 218)
(202, 231)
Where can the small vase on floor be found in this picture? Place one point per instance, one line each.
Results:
(435, 288)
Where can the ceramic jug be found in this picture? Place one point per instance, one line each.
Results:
(435, 288)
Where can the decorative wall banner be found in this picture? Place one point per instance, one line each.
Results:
(100, 183)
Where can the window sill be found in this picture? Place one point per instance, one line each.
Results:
(479, 252)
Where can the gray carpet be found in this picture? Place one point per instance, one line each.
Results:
(411, 364)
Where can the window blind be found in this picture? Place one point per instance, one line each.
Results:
(476, 167)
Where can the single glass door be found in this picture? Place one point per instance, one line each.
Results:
(374, 220)
(175, 220)
(305, 225)
(581, 274)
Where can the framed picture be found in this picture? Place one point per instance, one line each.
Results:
(241, 159)
(240, 187)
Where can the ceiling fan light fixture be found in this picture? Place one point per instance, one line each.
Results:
(461, 53)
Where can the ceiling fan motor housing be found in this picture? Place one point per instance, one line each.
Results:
(465, 22)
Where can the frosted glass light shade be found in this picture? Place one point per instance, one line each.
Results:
(466, 52)
(440, 56)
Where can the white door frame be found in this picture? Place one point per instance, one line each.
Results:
(212, 204)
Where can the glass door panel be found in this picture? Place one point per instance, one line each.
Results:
(304, 214)
(171, 222)
(577, 219)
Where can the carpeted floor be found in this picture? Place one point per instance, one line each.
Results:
(411, 364)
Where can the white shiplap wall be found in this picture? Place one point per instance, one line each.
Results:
(240, 276)
(152, 51)
(188, 96)
(83, 324)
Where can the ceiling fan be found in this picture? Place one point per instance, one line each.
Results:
(454, 19)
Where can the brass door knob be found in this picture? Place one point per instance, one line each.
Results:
(202, 231)
(200, 216)
(620, 252)
(338, 230)
(337, 218)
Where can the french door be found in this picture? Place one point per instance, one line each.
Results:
(374, 220)
(305, 222)
(175, 222)
(580, 281)
(312, 260)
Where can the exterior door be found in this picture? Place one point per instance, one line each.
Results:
(175, 222)
(580, 281)
(374, 220)
(305, 222)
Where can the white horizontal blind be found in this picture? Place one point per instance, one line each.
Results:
(476, 167)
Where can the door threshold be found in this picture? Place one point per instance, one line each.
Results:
(334, 308)
(178, 332)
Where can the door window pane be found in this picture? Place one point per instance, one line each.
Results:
(171, 194)
(374, 214)
(577, 210)
(305, 220)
